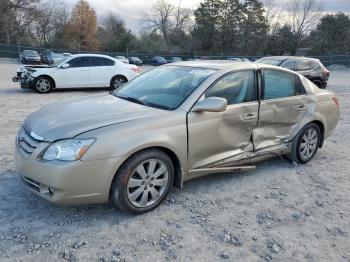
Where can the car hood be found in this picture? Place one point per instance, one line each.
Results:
(69, 118)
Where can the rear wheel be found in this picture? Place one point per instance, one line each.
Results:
(117, 82)
(306, 144)
(318, 83)
(143, 182)
(43, 85)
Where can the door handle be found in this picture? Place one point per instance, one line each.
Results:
(301, 108)
(248, 117)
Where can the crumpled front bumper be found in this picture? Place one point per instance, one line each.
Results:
(24, 81)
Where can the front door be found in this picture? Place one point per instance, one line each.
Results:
(217, 137)
(283, 106)
(76, 75)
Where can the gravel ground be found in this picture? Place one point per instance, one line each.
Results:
(278, 212)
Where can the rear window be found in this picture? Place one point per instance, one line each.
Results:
(303, 65)
(274, 62)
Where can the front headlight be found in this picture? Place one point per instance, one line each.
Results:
(68, 150)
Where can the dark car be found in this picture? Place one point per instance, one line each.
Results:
(234, 59)
(135, 61)
(158, 60)
(30, 56)
(311, 68)
(45, 56)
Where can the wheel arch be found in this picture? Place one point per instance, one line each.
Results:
(120, 75)
(322, 129)
(178, 178)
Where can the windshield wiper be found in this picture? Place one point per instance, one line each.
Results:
(141, 102)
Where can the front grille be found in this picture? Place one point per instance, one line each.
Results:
(26, 144)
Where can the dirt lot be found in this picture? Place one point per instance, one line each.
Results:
(278, 212)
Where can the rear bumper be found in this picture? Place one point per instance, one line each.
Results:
(67, 183)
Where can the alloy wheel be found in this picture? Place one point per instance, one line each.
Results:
(43, 85)
(308, 144)
(118, 82)
(147, 183)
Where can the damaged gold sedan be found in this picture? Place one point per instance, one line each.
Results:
(167, 126)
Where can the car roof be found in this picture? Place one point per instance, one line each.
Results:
(289, 58)
(216, 64)
(94, 55)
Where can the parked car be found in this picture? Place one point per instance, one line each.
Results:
(175, 59)
(234, 59)
(311, 68)
(55, 58)
(77, 71)
(170, 125)
(67, 54)
(135, 61)
(30, 56)
(243, 59)
(123, 59)
(44, 56)
(158, 60)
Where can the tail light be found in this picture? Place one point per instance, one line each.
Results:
(336, 101)
(136, 70)
(325, 73)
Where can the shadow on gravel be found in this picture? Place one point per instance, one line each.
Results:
(20, 205)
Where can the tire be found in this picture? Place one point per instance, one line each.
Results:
(135, 191)
(43, 85)
(117, 82)
(306, 144)
(318, 83)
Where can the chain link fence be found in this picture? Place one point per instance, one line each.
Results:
(14, 51)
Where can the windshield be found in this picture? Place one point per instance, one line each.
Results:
(30, 52)
(164, 87)
(61, 62)
(274, 62)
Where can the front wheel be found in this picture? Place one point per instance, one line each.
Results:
(143, 182)
(117, 82)
(43, 85)
(306, 144)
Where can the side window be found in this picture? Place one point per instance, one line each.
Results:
(280, 84)
(79, 62)
(101, 61)
(236, 88)
(303, 65)
(313, 65)
(289, 65)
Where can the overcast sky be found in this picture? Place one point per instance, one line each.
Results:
(132, 11)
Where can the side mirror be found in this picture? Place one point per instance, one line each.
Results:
(211, 104)
(64, 66)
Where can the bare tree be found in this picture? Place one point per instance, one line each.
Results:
(48, 16)
(160, 18)
(16, 18)
(168, 19)
(303, 16)
(182, 17)
(273, 14)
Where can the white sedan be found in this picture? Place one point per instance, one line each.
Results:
(77, 71)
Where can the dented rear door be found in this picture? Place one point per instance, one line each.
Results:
(283, 106)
